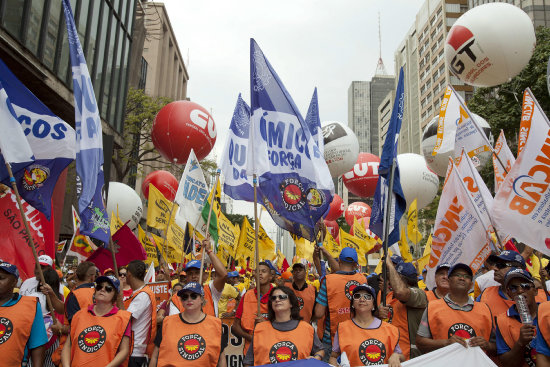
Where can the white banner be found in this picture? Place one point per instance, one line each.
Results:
(449, 115)
(505, 155)
(192, 192)
(454, 355)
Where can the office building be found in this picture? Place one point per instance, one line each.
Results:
(538, 10)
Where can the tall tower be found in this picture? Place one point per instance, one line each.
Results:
(380, 68)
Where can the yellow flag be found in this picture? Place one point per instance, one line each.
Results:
(172, 255)
(246, 244)
(223, 254)
(159, 209)
(360, 232)
(265, 245)
(304, 248)
(412, 224)
(176, 237)
(280, 259)
(228, 234)
(149, 247)
(423, 261)
(116, 223)
(331, 245)
(348, 240)
(404, 247)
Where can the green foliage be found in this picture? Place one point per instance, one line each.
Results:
(239, 219)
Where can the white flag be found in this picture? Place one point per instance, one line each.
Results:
(469, 136)
(505, 155)
(192, 191)
(449, 115)
(150, 275)
(459, 234)
(13, 145)
(522, 204)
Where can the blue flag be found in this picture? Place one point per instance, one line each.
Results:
(294, 183)
(233, 163)
(51, 140)
(313, 122)
(389, 155)
(89, 140)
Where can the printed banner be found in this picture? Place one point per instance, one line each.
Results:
(161, 290)
(159, 209)
(149, 246)
(247, 242)
(81, 245)
(228, 235)
(505, 155)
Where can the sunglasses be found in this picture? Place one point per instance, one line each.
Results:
(186, 296)
(365, 296)
(107, 288)
(524, 286)
(280, 297)
(462, 276)
(504, 265)
(122, 274)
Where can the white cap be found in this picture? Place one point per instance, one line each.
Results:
(45, 260)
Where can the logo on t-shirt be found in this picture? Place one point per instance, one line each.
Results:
(191, 346)
(6, 329)
(283, 352)
(371, 352)
(350, 286)
(91, 339)
(530, 355)
(462, 330)
(300, 302)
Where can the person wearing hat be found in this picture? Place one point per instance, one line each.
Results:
(230, 296)
(26, 337)
(496, 297)
(456, 318)
(284, 337)
(487, 279)
(405, 304)
(31, 285)
(305, 293)
(365, 339)
(246, 316)
(441, 282)
(100, 335)
(516, 341)
(332, 301)
(190, 338)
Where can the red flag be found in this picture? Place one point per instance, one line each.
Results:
(127, 247)
(285, 265)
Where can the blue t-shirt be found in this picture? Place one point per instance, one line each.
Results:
(38, 336)
(502, 347)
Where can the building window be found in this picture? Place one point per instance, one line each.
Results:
(143, 74)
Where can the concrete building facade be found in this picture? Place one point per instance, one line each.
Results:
(538, 10)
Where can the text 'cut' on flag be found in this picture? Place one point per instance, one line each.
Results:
(294, 183)
(237, 184)
(387, 160)
(89, 140)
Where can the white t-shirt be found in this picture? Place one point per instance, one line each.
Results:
(486, 280)
(30, 288)
(216, 295)
(141, 310)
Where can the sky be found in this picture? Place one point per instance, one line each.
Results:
(310, 43)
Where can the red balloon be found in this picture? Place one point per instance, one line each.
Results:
(362, 178)
(181, 126)
(164, 181)
(332, 228)
(357, 210)
(336, 208)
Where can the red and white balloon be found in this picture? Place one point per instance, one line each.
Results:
(357, 210)
(164, 181)
(362, 178)
(181, 126)
(332, 228)
(336, 208)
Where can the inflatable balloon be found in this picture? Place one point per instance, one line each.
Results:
(357, 210)
(336, 208)
(332, 228)
(164, 181)
(362, 178)
(486, 53)
(417, 180)
(341, 147)
(180, 126)
(127, 201)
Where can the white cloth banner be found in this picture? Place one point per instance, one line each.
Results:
(522, 204)
(469, 137)
(13, 145)
(505, 155)
(454, 355)
(449, 115)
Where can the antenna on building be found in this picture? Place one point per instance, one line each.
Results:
(380, 68)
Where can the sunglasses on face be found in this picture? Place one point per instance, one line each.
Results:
(186, 296)
(524, 286)
(122, 274)
(107, 288)
(504, 265)
(279, 296)
(365, 296)
(462, 276)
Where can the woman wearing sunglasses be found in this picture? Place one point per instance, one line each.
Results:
(189, 338)
(365, 339)
(126, 289)
(100, 335)
(283, 337)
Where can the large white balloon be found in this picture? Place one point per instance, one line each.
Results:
(341, 147)
(417, 180)
(490, 44)
(439, 162)
(128, 202)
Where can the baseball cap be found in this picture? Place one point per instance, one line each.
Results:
(348, 254)
(272, 267)
(193, 264)
(9, 268)
(509, 256)
(407, 269)
(396, 259)
(442, 266)
(192, 287)
(365, 287)
(517, 273)
(298, 264)
(45, 260)
(233, 274)
(460, 266)
(108, 270)
(110, 279)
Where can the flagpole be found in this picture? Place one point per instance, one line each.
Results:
(31, 241)
(256, 230)
(213, 192)
(386, 230)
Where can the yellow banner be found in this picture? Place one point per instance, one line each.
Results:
(423, 261)
(158, 209)
(228, 234)
(149, 247)
(116, 223)
(360, 232)
(348, 240)
(176, 237)
(246, 244)
(404, 247)
(331, 245)
(266, 245)
(412, 224)
(304, 248)
(172, 255)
